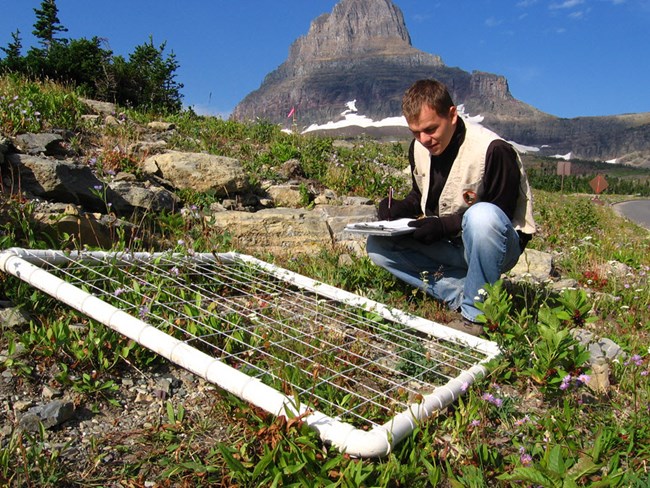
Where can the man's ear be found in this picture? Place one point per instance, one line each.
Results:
(453, 114)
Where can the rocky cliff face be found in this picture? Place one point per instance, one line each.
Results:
(362, 51)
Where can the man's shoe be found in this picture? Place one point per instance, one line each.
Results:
(466, 326)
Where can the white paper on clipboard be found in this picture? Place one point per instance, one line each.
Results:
(381, 227)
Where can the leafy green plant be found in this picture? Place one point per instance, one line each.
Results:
(574, 308)
(557, 470)
(27, 106)
(556, 354)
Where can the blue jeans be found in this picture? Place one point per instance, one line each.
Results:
(454, 271)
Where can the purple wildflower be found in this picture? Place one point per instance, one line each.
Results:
(524, 420)
(636, 359)
(490, 398)
(144, 310)
(565, 382)
(525, 459)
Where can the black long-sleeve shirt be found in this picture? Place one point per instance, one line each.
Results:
(500, 185)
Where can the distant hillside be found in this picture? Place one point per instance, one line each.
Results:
(362, 51)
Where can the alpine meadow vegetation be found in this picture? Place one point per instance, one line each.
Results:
(535, 420)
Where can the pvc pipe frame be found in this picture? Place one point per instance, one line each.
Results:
(377, 442)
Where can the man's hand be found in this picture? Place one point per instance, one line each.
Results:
(428, 229)
(398, 209)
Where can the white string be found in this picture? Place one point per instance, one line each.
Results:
(338, 358)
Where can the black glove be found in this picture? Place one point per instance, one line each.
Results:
(428, 229)
(398, 209)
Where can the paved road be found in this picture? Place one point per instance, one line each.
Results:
(635, 210)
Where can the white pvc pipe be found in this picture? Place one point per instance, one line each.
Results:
(377, 442)
(489, 348)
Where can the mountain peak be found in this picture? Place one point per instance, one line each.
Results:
(354, 28)
(360, 51)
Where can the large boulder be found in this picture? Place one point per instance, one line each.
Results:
(199, 172)
(275, 230)
(144, 196)
(41, 143)
(294, 231)
(55, 180)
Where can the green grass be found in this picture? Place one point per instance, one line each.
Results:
(525, 424)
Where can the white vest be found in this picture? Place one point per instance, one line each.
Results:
(464, 185)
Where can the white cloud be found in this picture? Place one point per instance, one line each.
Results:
(567, 4)
(526, 3)
(492, 22)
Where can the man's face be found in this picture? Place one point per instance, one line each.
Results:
(433, 130)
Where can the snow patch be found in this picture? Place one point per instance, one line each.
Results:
(351, 119)
(566, 156)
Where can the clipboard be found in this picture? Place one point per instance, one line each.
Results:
(381, 227)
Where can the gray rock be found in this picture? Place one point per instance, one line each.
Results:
(101, 108)
(147, 148)
(160, 126)
(564, 284)
(13, 317)
(41, 143)
(61, 181)
(583, 336)
(357, 201)
(600, 349)
(163, 388)
(50, 415)
(291, 169)
(533, 265)
(275, 230)
(128, 196)
(111, 120)
(199, 172)
(87, 228)
(286, 195)
(610, 349)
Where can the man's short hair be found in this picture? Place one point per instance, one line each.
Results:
(426, 92)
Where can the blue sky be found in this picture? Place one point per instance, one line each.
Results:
(566, 57)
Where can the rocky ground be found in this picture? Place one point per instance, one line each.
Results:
(110, 434)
